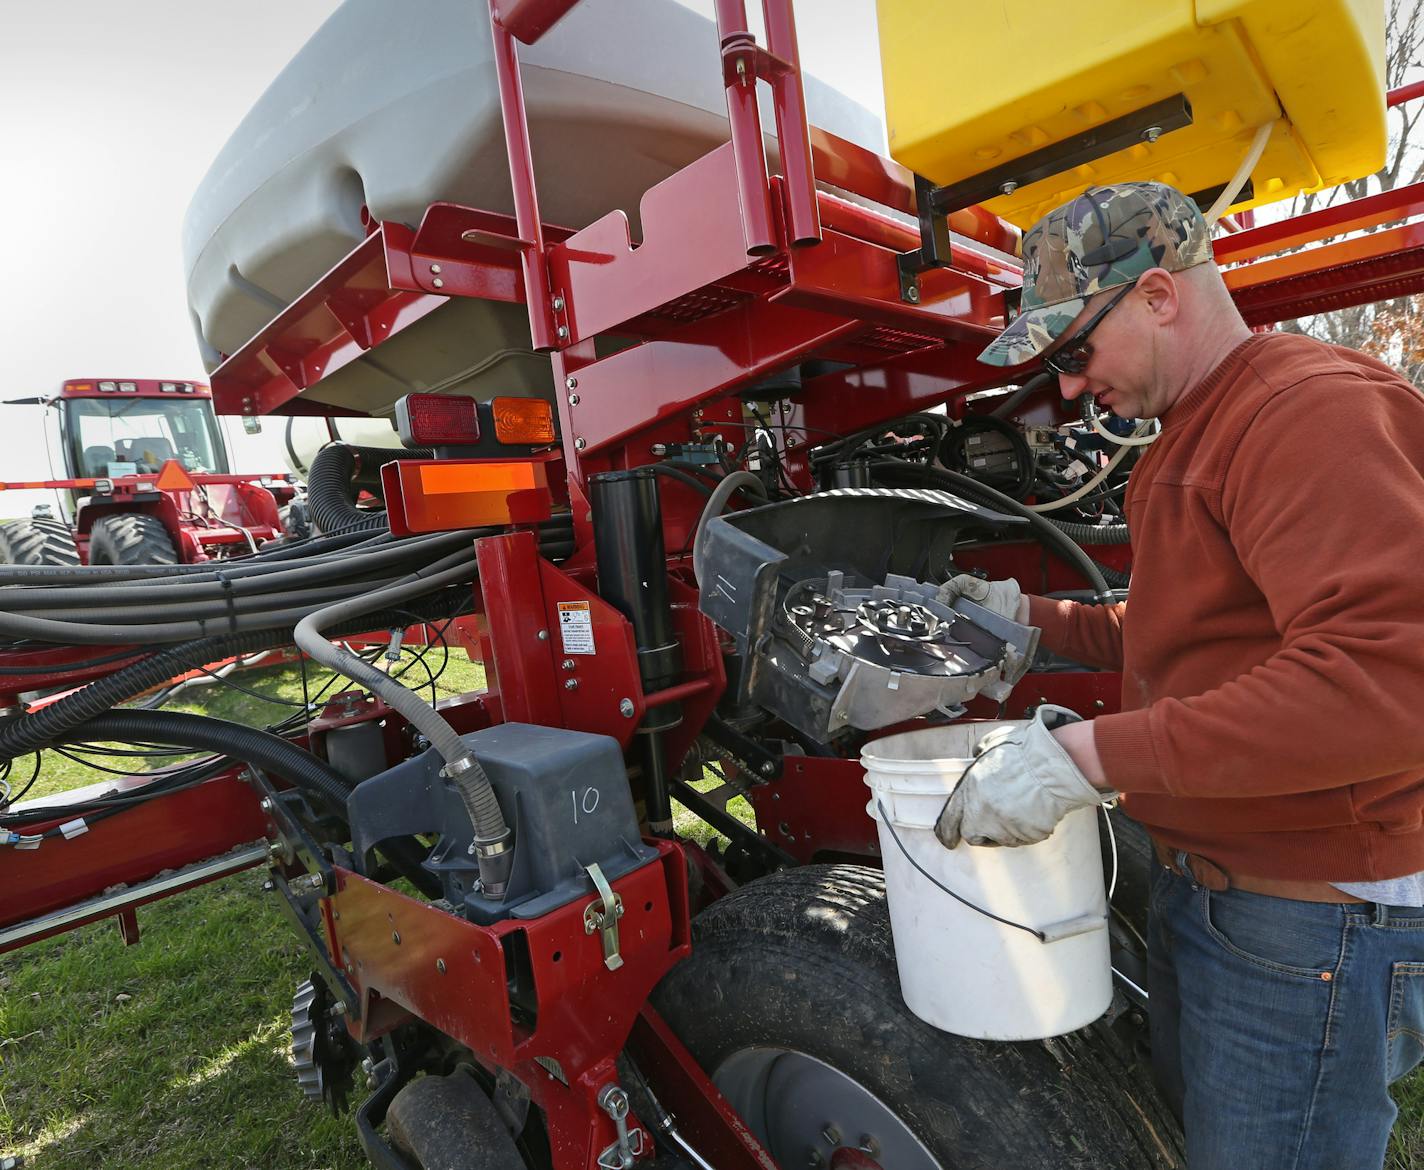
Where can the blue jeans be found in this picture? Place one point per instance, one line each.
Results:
(1277, 1025)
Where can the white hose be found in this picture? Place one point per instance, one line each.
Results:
(1243, 172)
(1083, 490)
(1139, 438)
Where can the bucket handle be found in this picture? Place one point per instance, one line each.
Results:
(1054, 932)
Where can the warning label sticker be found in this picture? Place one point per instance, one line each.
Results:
(576, 627)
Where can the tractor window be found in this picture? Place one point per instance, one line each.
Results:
(109, 437)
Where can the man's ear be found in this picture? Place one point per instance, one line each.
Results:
(1162, 292)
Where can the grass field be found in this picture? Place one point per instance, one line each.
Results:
(173, 1054)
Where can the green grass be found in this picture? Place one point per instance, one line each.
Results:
(173, 1054)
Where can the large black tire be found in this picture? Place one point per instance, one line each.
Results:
(37, 542)
(799, 969)
(131, 538)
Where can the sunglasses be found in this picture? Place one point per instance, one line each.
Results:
(1073, 355)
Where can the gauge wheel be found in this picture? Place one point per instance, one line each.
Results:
(131, 538)
(791, 1002)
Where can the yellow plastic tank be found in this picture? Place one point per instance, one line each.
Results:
(973, 84)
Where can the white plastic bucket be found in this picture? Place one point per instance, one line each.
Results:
(960, 970)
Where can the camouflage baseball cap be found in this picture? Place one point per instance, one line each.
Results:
(1106, 237)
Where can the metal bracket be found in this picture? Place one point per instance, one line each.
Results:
(603, 915)
(1145, 125)
(934, 249)
(621, 1155)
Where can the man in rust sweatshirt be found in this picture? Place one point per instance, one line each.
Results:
(1271, 736)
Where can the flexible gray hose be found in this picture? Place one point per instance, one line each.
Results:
(715, 503)
(308, 636)
(492, 850)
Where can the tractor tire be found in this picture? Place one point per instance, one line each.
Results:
(37, 542)
(131, 538)
(791, 1002)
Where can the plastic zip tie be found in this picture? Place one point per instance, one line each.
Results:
(230, 597)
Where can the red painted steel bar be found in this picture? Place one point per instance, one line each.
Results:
(521, 178)
(530, 19)
(677, 693)
(739, 49)
(1405, 93)
(1354, 215)
(792, 129)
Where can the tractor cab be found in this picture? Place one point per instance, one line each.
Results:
(115, 428)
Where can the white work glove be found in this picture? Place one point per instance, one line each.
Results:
(1020, 785)
(1000, 597)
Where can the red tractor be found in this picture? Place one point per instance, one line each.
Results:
(148, 482)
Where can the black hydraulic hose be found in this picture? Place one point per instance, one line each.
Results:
(1093, 533)
(261, 749)
(268, 578)
(169, 624)
(1013, 401)
(47, 725)
(336, 473)
(1048, 535)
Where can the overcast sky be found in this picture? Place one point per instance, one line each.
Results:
(110, 113)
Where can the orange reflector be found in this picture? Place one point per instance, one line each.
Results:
(523, 420)
(446, 494)
(172, 478)
(440, 479)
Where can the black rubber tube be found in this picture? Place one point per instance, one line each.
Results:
(49, 724)
(261, 749)
(1093, 533)
(333, 481)
(1048, 535)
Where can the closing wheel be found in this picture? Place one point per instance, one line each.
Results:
(131, 538)
(792, 1003)
(37, 542)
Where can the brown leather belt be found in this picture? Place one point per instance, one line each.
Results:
(1213, 877)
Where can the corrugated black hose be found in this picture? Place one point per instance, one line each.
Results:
(337, 472)
(261, 749)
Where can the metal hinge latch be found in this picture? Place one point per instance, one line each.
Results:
(602, 915)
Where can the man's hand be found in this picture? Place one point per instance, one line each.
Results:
(1021, 784)
(1001, 597)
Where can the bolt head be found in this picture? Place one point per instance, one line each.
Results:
(543, 635)
(266, 804)
(573, 399)
(563, 330)
(571, 684)
(580, 443)
(831, 1134)
(1008, 188)
(626, 708)
(571, 382)
(438, 283)
(768, 768)
(912, 295)
(395, 937)
(440, 966)
(558, 304)
(568, 664)
(1152, 133)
